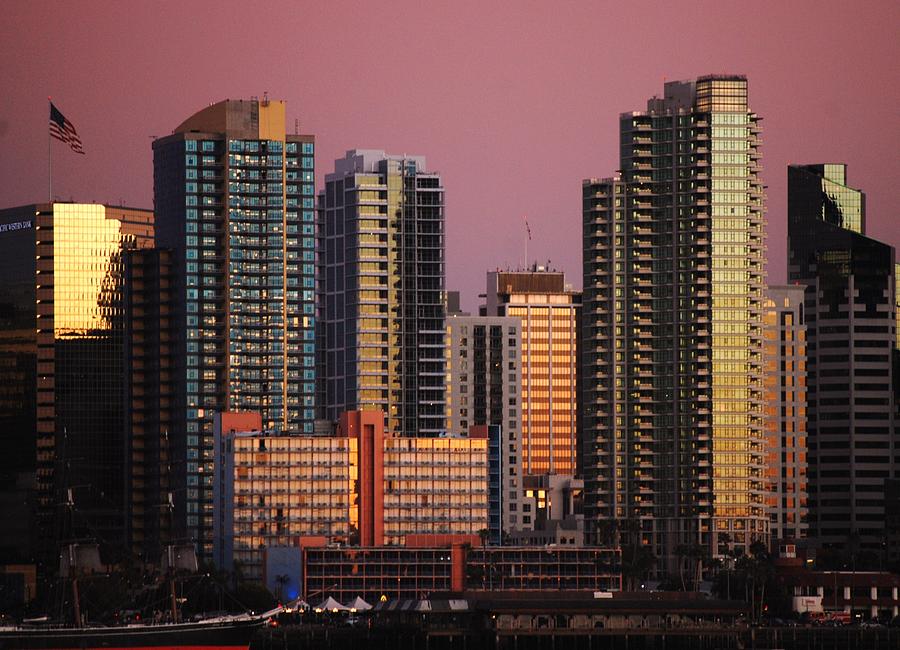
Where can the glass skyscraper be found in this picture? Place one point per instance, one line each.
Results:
(62, 364)
(850, 304)
(235, 201)
(381, 295)
(674, 282)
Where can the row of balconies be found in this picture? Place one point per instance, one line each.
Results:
(423, 520)
(472, 489)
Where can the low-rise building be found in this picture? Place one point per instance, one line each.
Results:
(556, 504)
(417, 572)
(359, 487)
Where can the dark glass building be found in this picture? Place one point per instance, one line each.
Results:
(150, 397)
(235, 203)
(62, 369)
(851, 330)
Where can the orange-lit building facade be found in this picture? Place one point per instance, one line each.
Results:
(784, 354)
(549, 313)
(359, 487)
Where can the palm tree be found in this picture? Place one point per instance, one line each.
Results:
(281, 580)
(758, 569)
(725, 540)
(237, 574)
(484, 534)
(608, 532)
(637, 559)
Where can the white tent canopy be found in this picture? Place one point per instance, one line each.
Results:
(331, 605)
(359, 605)
(298, 604)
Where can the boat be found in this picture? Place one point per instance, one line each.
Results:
(78, 561)
(224, 632)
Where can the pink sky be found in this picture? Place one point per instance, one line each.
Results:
(514, 103)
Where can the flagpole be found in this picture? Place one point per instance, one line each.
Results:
(527, 237)
(49, 157)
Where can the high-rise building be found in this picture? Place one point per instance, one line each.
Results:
(897, 305)
(784, 354)
(483, 388)
(62, 369)
(549, 311)
(235, 202)
(150, 392)
(674, 281)
(851, 332)
(381, 255)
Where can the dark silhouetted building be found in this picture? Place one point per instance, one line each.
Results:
(784, 354)
(850, 315)
(149, 332)
(62, 367)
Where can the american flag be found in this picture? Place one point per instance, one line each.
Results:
(528, 228)
(63, 129)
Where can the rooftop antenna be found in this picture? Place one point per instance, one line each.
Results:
(296, 126)
(265, 100)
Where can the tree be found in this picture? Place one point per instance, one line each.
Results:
(758, 571)
(637, 560)
(281, 580)
(608, 532)
(237, 575)
(726, 549)
(694, 556)
(484, 534)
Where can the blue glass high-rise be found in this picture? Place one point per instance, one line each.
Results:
(235, 199)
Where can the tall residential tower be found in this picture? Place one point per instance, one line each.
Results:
(674, 281)
(234, 198)
(381, 255)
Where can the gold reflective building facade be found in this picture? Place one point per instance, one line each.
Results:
(674, 281)
(285, 488)
(63, 368)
